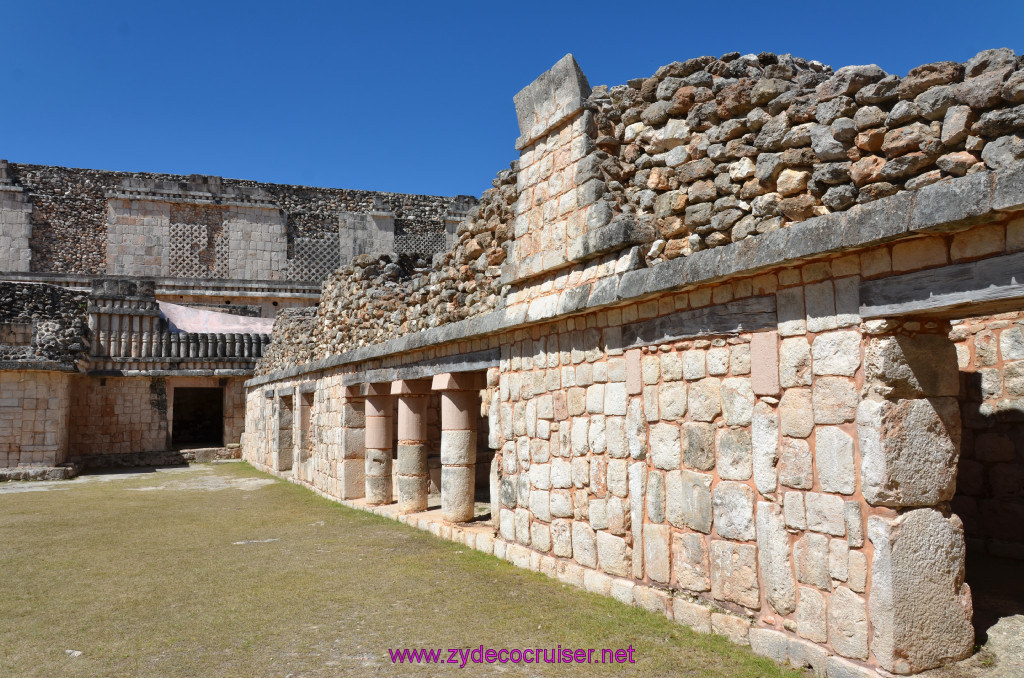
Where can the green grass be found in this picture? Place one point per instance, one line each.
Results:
(152, 583)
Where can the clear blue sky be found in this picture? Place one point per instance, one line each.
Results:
(412, 97)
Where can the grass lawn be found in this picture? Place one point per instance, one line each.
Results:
(219, 570)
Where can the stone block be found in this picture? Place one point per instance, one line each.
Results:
(764, 433)
(909, 451)
(795, 464)
(733, 509)
(807, 655)
(584, 545)
(764, 363)
(665, 446)
(690, 562)
(561, 537)
(773, 556)
(810, 554)
(688, 500)
(737, 401)
(769, 643)
(734, 573)
(693, 615)
(705, 399)
(793, 508)
(810, 615)
(790, 309)
(796, 413)
(834, 400)
(921, 616)
(732, 627)
(613, 555)
(734, 454)
(672, 400)
(794, 362)
(836, 353)
(911, 367)
(698, 445)
(458, 447)
(839, 559)
(825, 513)
(848, 624)
(656, 552)
(833, 456)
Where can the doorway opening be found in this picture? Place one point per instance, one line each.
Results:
(198, 417)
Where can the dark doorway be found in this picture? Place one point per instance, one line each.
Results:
(198, 417)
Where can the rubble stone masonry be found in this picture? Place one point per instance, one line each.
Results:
(749, 362)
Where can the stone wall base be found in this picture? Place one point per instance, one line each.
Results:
(689, 611)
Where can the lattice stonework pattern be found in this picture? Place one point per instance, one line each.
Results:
(198, 243)
(420, 243)
(315, 258)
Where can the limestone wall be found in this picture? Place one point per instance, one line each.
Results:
(751, 423)
(118, 416)
(41, 324)
(80, 221)
(34, 410)
(990, 478)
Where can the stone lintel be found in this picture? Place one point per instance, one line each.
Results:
(378, 389)
(410, 387)
(459, 381)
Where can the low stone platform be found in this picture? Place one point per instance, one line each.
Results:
(38, 473)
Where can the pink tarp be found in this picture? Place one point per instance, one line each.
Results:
(186, 319)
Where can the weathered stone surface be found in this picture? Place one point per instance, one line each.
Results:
(733, 509)
(690, 562)
(734, 573)
(836, 353)
(769, 643)
(765, 443)
(693, 615)
(835, 400)
(810, 615)
(688, 500)
(825, 513)
(909, 450)
(796, 413)
(613, 555)
(795, 464)
(793, 507)
(737, 401)
(848, 624)
(911, 367)
(656, 552)
(584, 545)
(705, 399)
(773, 558)
(672, 400)
(794, 362)
(734, 454)
(921, 616)
(698, 442)
(833, 456)
(665, 449)
(810, 553)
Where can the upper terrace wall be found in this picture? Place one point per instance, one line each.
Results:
(751, 420)
(80, 221)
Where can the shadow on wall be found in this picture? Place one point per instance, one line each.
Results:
(990, 498)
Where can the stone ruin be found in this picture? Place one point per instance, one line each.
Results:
(134, 306)
(740, 343)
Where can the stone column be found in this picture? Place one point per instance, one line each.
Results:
(378, 444)
(908, 428)
(460, 406)
(413, 397)
(352, 438)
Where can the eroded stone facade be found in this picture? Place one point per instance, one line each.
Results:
(752, 419)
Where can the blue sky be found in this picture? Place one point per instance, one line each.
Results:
(399, 96)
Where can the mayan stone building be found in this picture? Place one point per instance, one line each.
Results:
(740, 343)
(134, 306)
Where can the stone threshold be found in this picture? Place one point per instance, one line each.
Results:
(38, 473)
(689, 611)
